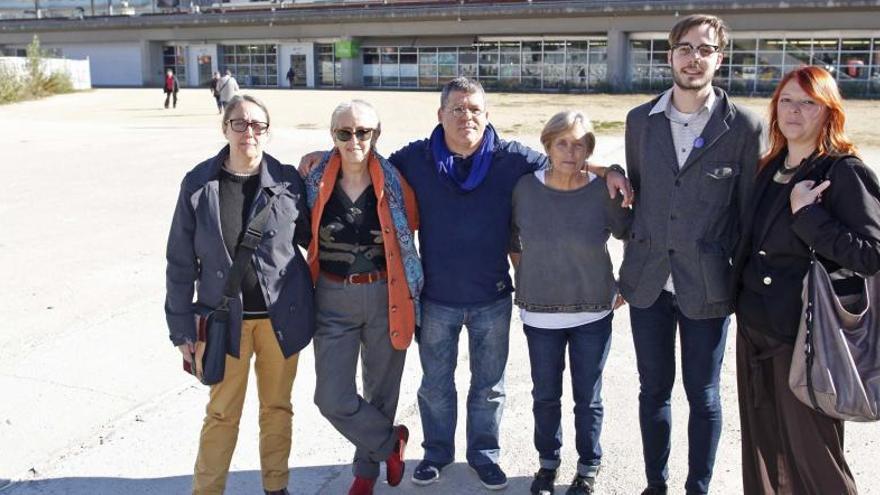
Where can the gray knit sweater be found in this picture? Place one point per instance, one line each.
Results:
(561, 235)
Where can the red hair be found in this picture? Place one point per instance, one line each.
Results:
(821, 86)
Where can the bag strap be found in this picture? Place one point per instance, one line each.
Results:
(243, 252)
(809, 351)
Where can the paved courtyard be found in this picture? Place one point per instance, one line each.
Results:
(93, 399)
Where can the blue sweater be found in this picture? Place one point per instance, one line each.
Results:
(464, 237)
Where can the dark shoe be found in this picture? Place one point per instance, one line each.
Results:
(361, 486)
(427, 472)
(581, 485)
(282, 491)
(543, 482)
(394, 466)
(491, 476)
(654, 490)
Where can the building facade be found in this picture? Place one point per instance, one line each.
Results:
(515, 45)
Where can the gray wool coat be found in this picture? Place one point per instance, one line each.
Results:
(688, 220)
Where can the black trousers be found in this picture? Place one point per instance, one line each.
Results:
(168, 97)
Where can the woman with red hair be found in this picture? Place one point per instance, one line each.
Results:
(812, 191)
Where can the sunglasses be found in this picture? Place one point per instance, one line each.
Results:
(345, 135)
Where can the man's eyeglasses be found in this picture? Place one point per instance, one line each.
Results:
(345, 135)
(459, 112)
(687, 49)
(241, 125)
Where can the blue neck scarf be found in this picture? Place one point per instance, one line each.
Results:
(444, 159)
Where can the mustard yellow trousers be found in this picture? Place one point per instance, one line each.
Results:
(220, 431)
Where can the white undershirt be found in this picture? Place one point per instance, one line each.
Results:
(562, 320)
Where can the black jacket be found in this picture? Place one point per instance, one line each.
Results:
(198, 259)
(843, 229)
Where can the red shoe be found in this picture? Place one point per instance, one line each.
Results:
(394, 466)
(361, 486)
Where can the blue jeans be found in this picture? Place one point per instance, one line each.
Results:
(702, 350)
(488, 335)
(587, 351)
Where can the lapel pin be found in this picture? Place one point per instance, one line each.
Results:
(699, 142)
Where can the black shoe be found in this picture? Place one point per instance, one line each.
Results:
(282, 491)
(581, 485)
(543, 482)
(654, 490)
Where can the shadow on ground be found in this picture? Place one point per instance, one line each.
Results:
(456, 479)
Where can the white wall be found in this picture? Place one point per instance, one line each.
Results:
(193, 52)
(118, 64)
(288, 49)
(77, 69)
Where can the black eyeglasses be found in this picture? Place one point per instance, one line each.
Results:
(687, 49)
(241, 125)
(345, 135)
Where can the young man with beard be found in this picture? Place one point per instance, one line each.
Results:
(691, 156)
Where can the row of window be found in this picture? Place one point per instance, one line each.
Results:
(252, 65)
(752, 65)
(562, 64)
(756, 65)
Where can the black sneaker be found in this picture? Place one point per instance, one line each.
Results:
(581, 485)
(654, 490)
(427, 472)
(543, 482)
(491, 476)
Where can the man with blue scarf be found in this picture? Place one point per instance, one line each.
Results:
(463, 177)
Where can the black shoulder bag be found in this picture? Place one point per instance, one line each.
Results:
(212, 324)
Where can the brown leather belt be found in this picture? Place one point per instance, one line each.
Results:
(356, 278)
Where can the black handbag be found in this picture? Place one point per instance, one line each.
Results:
(212, 324)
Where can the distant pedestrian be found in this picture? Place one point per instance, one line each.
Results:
(228, 87)
(291, 75)
(215, 90)
(171, 87)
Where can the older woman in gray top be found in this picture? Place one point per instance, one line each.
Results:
(566, 292)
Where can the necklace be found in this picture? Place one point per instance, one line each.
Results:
(227, 168)
(784, 174)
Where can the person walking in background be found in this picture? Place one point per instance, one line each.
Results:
(291, 76)
(228, 87)
(787, 447)
(565, 288)
(170, 87)
(368, 279)
(273, 317)
(214, 84)
(691, 155)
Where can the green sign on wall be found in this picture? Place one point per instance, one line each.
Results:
(347, 48)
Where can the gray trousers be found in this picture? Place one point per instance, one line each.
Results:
(352, 320)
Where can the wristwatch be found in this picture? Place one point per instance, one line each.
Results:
(617, 168)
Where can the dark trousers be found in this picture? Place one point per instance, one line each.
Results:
(787, 448)
(587, 351)
(169, 96)
(702, 350)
